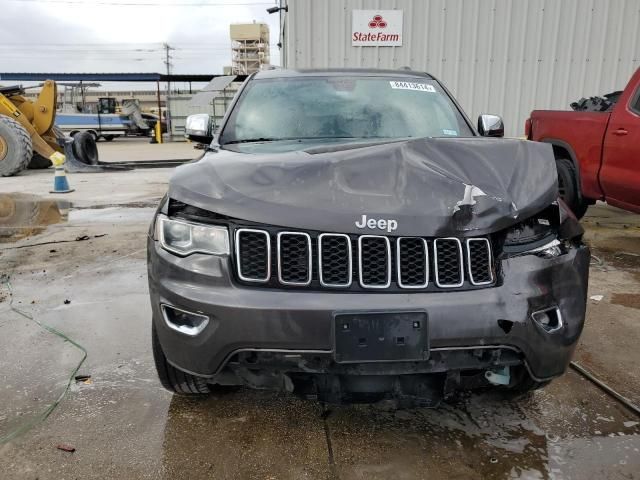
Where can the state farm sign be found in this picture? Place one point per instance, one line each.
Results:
(376, 28)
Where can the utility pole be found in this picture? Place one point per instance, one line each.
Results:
(167, 62)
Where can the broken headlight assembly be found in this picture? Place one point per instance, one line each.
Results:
(184, 238)
(544, 234)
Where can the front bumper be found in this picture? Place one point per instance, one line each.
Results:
(301, 321)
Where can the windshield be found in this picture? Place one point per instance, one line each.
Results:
(330, 108)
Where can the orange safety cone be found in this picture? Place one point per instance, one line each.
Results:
(60, 183)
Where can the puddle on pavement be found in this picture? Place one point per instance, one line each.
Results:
(23, 216)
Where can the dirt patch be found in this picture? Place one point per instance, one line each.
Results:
(631, 300)
(613, 249)
(610, 240)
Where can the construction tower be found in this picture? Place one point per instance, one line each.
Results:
(249, 47)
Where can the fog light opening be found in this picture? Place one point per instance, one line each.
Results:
(187, 323)
(549, 319)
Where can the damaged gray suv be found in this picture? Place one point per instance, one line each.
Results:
(350, 236)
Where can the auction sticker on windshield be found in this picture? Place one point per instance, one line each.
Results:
(423, 87)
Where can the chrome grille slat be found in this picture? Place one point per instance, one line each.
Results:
(479, 261)
(242, 259)
(328, 245)
(367, 246)
(291, 273)
(447, 273)
(410, 270)
(328, 260)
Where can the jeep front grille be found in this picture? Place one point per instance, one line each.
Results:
(361, 262)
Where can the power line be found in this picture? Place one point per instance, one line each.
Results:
(107, 51)
(111, 48)
(68, 44)
(144, 4)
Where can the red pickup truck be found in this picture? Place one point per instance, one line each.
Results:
(597, 153)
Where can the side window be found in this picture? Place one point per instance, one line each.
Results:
(635, 106)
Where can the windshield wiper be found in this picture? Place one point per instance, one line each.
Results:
(252, 140)
(301, 139)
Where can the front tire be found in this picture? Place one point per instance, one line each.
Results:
(568, 187)
(16, 148)
(173, 379)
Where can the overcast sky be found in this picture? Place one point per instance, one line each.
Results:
(124, 35)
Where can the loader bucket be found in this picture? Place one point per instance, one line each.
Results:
(81, 155)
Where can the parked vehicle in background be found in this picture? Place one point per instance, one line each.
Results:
(597, 152)
(349, 235)
(107, 119)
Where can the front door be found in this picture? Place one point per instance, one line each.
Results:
(620, 173)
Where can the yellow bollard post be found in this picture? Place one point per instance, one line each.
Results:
(159, 131)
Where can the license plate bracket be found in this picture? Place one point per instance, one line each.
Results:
(381, 336)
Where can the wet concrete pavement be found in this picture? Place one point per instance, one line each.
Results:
(124, 425)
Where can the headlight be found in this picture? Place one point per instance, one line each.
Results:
(551, 249)
(528, 232)
(537, 235)
(184, 238)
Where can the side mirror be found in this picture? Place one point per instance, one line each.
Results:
(490, 125)
(199, 128)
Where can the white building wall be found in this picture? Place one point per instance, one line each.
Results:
(181, 107)
(496, 56)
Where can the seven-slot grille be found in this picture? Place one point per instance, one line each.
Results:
(333, 260)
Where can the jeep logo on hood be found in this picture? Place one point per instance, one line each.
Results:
(382, 224)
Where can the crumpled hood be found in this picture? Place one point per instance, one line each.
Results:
(430, 187)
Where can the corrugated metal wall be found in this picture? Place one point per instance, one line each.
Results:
(496, 56)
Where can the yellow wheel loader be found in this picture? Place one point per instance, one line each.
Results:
(29, 138)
